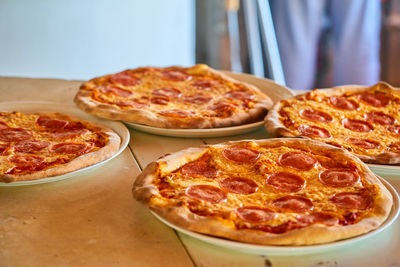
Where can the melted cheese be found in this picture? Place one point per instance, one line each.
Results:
(339, 134)
(151, 80)
(265, 165)
(27, 122)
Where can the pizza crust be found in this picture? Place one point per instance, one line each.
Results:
(311, 235)
(80, 162)
(143, 116)
(277, 129)
(146, 192)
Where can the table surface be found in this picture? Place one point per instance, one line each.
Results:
(92, 219)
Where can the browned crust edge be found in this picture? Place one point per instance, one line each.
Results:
(143, 116)
(80, 162)
(143, 191)
(276, 128)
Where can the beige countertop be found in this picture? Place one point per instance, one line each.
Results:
(92, 219)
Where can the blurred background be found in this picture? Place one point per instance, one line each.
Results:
(80, 39)
(299, 43)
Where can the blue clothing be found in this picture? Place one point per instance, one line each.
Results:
(355, 27)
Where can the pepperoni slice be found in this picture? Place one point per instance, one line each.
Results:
(241, 155)
(394, 129)
(338, 177)
(364, 143)
(207, 193)
(293, 203)
(168, 193)
(27, 161)
(3, 149)
(315, 115)
(313, 131)
(197, 99)
(125, 78)
(342, 102)
(379, 117)
(174, 75)
(376, 100)
(160, 100)
(297, 160)
(206, 84)
(31, 146)
(395, 146)
(239, 185)
(175, 113)
(51, 123)
(200, 168)
(286, 181)
(222, 109)
(131, 103)
(75, 125)
(255, 214)
(69, 148)
(167, 92)
(350, 218)
(357, 125)
(318, 217)
(64, 134)
(348, 200)
(14, 134)
(115, 91)
(239, 94)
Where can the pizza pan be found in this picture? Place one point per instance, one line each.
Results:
(275, 91)
(38, 106)
(295, 250)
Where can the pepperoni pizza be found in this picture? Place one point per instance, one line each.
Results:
(40, 145)
(173, 97)
(276, 191)
(363, 120)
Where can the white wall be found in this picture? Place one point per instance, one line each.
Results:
(80, 39)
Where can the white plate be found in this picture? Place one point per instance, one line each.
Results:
(37, 106)
(385, 170)
(275, 91)
(292, 250)
(213, 132)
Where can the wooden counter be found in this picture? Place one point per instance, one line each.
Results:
(92, 219)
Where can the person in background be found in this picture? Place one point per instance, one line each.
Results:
(354, 39)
